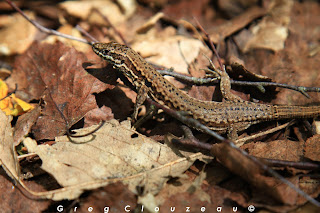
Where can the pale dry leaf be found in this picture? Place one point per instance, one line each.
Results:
(128, 6)
(17, 35)
(113, 153)
(272, 31)
(83, 10)
(8, 157)
(174, 51)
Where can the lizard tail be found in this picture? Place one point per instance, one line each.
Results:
(296, 111)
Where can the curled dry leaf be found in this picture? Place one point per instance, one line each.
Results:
(7, 152)
(114, 153)
(55, 74)
(12, 105)
(240, 70)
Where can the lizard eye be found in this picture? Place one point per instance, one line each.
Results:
(104, 52)
(148, 83)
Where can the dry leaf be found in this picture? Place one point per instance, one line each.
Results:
(183, 189)
(312, 149)
(174, 51)
(272, 31)
(17, 35)
(279, 149)
(7, 152)
(112, 196)
(113, 153)
(84, 10)
(13, 200)
(12, 105)
(57, 75)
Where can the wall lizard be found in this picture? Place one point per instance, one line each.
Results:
(220, 116)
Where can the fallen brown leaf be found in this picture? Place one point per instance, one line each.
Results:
(55, 74)
(116, 196)
(279, 149)
(12, 199)
(312, 148)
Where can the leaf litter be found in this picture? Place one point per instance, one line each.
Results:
(43, 81)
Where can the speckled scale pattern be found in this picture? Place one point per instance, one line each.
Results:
(213, 114)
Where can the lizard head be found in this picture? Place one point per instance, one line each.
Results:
(113, 52)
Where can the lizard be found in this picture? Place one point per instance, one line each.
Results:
(232, 113)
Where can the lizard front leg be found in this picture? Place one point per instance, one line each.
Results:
(225, 85)
(142, 95)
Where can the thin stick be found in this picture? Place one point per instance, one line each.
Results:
(10, 93)
(86, 33)
(210, 42)
(213, 81)
(241, 141)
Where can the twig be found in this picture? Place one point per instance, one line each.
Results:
(296, 165)
(86, 33)
(210, 42)
(10, 93)
(213, 81)
(241, 141)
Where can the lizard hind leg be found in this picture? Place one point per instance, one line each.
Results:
(233, 129)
